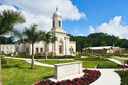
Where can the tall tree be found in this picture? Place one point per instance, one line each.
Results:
(8, 18)
(32, 36)
(46, 36)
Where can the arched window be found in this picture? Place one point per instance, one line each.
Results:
(59, 23)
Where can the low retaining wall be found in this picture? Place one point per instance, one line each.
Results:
(67, 70)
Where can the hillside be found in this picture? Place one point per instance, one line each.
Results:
(98, 39)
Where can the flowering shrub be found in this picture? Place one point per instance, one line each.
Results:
(126, 62)
(86, 79)
(122, 66)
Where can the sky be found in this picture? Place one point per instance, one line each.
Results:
(80, 17)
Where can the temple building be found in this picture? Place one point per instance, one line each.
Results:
(63, 45)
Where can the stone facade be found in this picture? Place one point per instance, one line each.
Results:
(7, 48)
(63, 45)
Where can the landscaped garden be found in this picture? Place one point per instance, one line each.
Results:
(87, 62)
(17, 72)
(88, 77)
(124, 77)
(52, 62)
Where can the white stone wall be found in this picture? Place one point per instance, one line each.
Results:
(7, 48)
(67, 70)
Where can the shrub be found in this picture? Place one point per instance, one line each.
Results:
(3, 60)
(23, 56)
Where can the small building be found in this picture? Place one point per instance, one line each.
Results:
(7, 48)
(103, 50)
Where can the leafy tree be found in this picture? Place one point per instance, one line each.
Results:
(8, 18)
(32, 36)
(6, 40)
(98, 39)
(46, 36)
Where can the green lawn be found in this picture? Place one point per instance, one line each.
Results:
(52, 62)
(119, 59)
(22, 75)
(92, 63)
(87, 62)
(124, 77)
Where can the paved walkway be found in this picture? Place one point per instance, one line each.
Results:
(115, 61)
(35, 62)
(108, 77)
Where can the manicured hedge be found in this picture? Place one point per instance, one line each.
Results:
(43, 57)
(124, 76)
(3, 60)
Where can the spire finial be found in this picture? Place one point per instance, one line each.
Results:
(56, 8)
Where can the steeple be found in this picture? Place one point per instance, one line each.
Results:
(56, 9)
(57, 21)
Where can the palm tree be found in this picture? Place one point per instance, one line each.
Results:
(47, 38)
(32, 36)
(8, 18)
(53, 39)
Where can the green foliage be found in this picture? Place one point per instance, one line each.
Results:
(23, 56)
(124, 76)
(52, 62)
(98, 39)
(107, 64)
(6, 40)
(22, 75)
(31, 33)
(8, 18)
(91, 59)
(3, 60)
(49, 57)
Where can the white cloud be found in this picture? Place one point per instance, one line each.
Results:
(81, 35)
(114, 27)
(41, 11)
(91, 30)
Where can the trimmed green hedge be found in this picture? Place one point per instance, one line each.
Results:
(124, 77)
(3, 60)
(49, 57)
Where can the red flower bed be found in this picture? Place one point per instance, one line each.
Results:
(89, 77)
(126, 62)
(122, 66)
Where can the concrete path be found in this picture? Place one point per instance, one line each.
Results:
(35, 62)
(115, 61)
(108, 77)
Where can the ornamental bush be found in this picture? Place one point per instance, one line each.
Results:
(86, 79)
(3, 60)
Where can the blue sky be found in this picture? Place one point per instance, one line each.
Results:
(97, 12)
(81, 17)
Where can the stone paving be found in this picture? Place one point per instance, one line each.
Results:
(108, 77)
